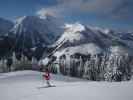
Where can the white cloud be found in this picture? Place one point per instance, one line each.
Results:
(106, 8)
(47, 11)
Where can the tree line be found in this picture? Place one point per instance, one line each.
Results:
(99, 67)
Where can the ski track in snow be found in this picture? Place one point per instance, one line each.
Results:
(23, 85)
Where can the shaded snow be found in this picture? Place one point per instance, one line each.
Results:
(120, 50)
(89, 48)
(23, 86)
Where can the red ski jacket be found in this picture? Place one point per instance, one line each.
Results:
(46, 76)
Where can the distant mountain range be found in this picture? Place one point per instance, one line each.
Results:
(28, 31)
(5, 26)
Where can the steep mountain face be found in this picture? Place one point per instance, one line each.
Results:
(72, 34)
(6, 41)
(5, 26)
(86, 40)
(34, 29)
(79, 34)
(76, 34)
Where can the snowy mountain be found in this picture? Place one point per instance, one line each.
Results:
(78, 34)
(5, 26)
(72, 33)
(35, 29)
(94, 53)
(81, 51)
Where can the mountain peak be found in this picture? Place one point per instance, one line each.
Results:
(34, 27)
(76, 27)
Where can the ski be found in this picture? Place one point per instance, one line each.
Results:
(46, 86)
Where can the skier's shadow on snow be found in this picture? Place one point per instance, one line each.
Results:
(57, 86)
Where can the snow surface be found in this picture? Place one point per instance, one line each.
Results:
(23, 85)
(120, 50)
(44, 61)
(72, 32)
(89, 48)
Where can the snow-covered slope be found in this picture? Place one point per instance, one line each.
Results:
(5, 26)
(72, 33)
(121, 50)
(37, 29)
(85, 49)
(78, 34)
(24, 86)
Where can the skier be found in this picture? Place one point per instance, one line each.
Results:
(46, 76)
(9, 64)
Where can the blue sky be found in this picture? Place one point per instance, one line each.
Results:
(14, 8)
(116, 14)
